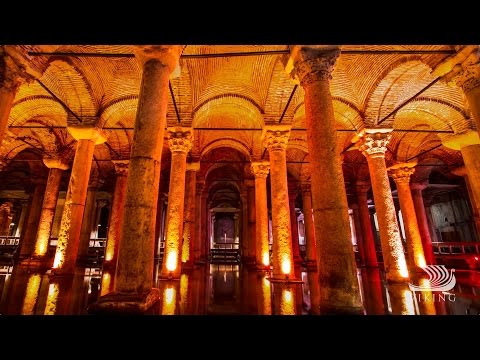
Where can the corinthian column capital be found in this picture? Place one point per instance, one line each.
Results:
(373, 142)
(276, 136)
(401, 172)
(121, 167)
(260, 169)
(180, 139)
(312, 63)
(168, 55)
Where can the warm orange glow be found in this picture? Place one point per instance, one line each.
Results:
(408, 307)
(106, 283)
(403, 270)
(185, 248)
(286, 266)
(183, 293)
(52, 298)
(31, 295)
(172, 261)
(109, 254)
(169, 299)
(267, 297)
(287, 303)
(41, 245)
(421, 261)
(266, 259)
(59, 257)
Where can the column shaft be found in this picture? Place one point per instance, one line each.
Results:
(357, 224)
(423, 224)
(260, 170)
(309, 228)
(370, 250)
(87, 223)
(297, 259)
(252, 248)
(189, 219)
(29, 237)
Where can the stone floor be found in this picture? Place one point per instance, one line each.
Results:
(227, 290)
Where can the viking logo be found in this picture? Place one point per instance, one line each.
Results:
(440, 279)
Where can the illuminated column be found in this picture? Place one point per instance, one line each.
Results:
(244, 225)
(361, 189)
(189, 218)
(276, 139)
(134, 276)
(260, 171)
(56, 166)
(357, 225)
(416, 190)
(251, 231)
(309, 226)
(401, 175)
(89, 214)
(29, 237)
(11, 77)
(204, 223)
(197, 247)
(294, 228)
(373, 144)
(180, 143)
(462, 171)
(339, 290)
(23, 215)
(69, 236)
(116, 215)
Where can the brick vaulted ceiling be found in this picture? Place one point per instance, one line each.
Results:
(240, 93)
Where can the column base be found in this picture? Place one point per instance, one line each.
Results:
(120, 303)
(341, 310)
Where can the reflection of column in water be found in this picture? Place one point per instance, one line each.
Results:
(61, 292)
(373, 294)
(184, 294)
(31, 294)
(264, 295)
(52, 299)
(298, 289)
(169, 299)
(284, 299)
(424, 299)
(314, 287)
(401, 299)
(107, 282)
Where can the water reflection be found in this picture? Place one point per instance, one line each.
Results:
(229, 290)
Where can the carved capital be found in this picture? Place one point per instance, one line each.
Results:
(121, 167)
(87, 132)
(276, 137)
(193, 166)
(313, 64)
(102, 203)
(168, 55)
(55, 163)
(260, 169)
(180, 139)
(401, 174)
(361, 187)
(12, 74)
(373, 142)
(459, 141)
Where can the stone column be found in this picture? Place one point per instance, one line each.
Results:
(244, 225)
(116, 215)
(23, 215)
(180, 142)
(12, 75)
(189, 218)
(339, 289)
(361, 189)
(204, 223)
(462, 171)
(251, 231)
(357, 225)
(197, 243)
(89, 215)
(56, 166)
(297, 259)
(401, 175)
(276, 139)
(69, 236)
(416, 190)
(373, 144)
(100, 204)
(260, 171)
(5, 218)
(134, 276)
(309, 226)
(29, 237)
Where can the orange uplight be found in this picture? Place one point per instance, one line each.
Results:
(266, 259)
(31, 295)
(169, 297)
(106, 283)
(408, 307)
(183, 293)
(52, 298)
(421, 261)
(267, 297)
(109, 255)
(59, 257)
(185, 250)
(287, 304)
(286, 266)
(172, 261)
(41, 245)
(402, 264)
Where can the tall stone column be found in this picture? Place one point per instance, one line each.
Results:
(260, 170)
(189, 218)
(462, 171)
(116, 215)
(276, 140)
(416, 190)
(370, 251)
(29, 237)
(373, 144)
(197, 243)
(56, 166)
(244, 225)
(297, 259)
(12, 75)
(23, 216)
(251, 248)
(204, 225)
(89, 215)
(401, 175)
(180, 142)
(357, 224)
(309, 226)
(133, 290)
(339, 289)
(68, 243)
